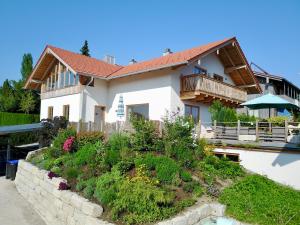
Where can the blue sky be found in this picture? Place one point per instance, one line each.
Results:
(268, 31)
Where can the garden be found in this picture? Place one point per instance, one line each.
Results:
(148, 175)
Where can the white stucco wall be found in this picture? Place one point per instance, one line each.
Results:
(93, 96)
(281, 167)
(149, 88)
(160, 89)
(58, 102)
(212, 64)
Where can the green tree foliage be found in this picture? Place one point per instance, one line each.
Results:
(13, 98)
(222, 113)
(8, 97)
(26, 67)
(28, 102)
(85, 49)
(225, 114)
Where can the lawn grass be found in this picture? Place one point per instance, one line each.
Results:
(257, 200)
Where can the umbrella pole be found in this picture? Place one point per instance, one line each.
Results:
(269, 112)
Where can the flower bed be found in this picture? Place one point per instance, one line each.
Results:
(142, 177)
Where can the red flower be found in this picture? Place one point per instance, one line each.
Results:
(68, 144)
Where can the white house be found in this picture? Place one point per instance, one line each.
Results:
(87, 89)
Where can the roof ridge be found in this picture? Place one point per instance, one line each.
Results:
(75, 53)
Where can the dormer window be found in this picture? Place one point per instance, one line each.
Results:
(199, 70)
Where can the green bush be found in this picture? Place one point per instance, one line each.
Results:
(124, 166)
(222, 113)
(71, 173)
(118, 141)
(144, 203)
(258, 200)
(277, 120)
(107, 186)
(91, 137)
(146, 136)
(86, 154)
(86, 186)
(53, 152)
(246, 118)
(193, 187)
(178, 140)
(62, 136)
(167, 170)
(7, 118)
(185, 176)
(212, 167)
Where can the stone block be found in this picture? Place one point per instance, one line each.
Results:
(217, 209)
(76, 201)
(66, 196)
(180, 220)
(192, 216)
(92, 209)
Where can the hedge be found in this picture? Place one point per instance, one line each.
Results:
(7, 118)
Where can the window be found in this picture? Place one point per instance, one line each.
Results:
(199, 70)
(218, 77)
(66, 111)
(230, 156)
(50, 112)
(141, 110)
(193, 111)
(72, 78)
(67, 75)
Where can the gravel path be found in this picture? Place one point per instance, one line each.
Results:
(14, 209)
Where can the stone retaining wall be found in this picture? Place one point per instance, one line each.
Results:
(54, 206)
(68, 208)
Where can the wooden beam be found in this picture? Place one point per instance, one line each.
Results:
(247, 86)
(230, 69)
(233, 64)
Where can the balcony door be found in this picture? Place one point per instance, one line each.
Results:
(99, 117)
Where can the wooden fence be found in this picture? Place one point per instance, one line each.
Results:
(257, 131)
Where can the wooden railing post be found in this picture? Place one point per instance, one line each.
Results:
(286, 130)
(78, 126)
(89, 126)
(256, 130)
(199, 128)
(215, 128)
(238, 128)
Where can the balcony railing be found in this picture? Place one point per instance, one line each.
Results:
(61, 92)
(202, 84)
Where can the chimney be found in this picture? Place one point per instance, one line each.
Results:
(110, 59)
(132, 61)
(167, 52)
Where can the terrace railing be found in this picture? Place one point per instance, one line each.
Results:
(210, 86)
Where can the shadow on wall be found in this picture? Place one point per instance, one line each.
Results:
(286, 158)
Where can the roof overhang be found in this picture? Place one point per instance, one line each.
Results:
(236, 65)
(41, 69)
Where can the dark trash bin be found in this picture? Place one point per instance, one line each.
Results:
(11, 169)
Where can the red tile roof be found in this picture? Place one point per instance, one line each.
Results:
(85, 65)
(168, 60)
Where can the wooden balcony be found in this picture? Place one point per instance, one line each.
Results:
(205, 89)
(61, 92)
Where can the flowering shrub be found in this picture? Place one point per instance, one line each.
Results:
(63, 186)
(68, 144)
(51, 175)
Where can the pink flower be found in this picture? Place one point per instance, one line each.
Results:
(68, 144)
